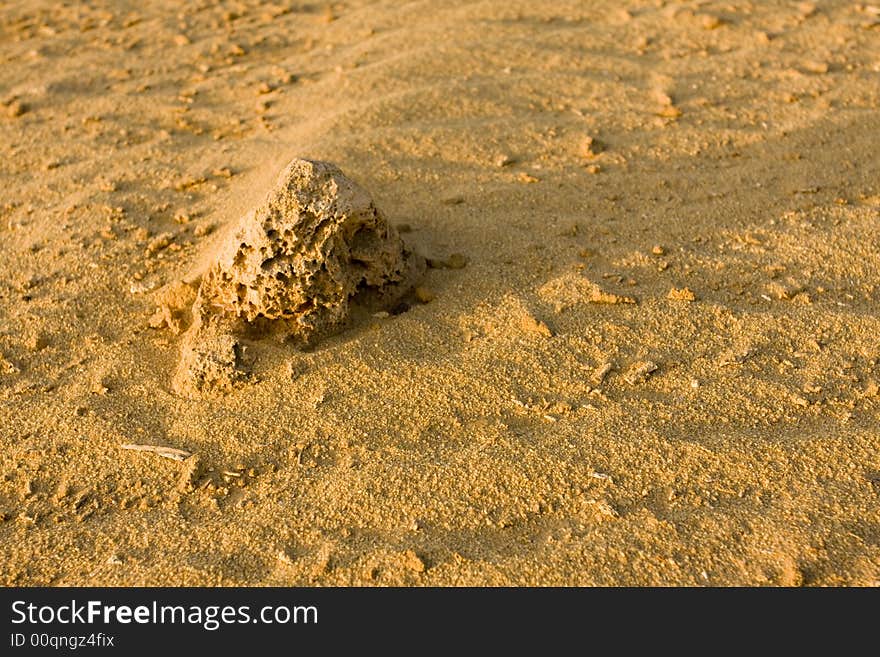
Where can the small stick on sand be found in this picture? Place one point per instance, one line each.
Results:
(167, 452)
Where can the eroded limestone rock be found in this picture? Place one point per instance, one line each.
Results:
(210, 361)
(292, 267)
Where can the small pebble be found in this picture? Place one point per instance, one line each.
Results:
(601, 372)
(591, 147)
(800, 401)
(806, 9)
(816, 67)
(681, 294)
(640, 372)
(456, 261)
(160, 242)
(16, 108)
(424, 294)
(669, 112)
(711, 22)
(37, 342)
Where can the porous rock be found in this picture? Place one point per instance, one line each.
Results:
(293, 267)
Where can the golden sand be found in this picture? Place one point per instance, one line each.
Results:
(646, 351)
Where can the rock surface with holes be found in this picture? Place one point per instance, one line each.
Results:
(293, 267)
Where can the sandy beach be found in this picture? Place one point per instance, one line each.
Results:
(644, 350)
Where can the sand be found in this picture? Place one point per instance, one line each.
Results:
(645, 352)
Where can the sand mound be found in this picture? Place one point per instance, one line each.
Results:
(572, 288)
(292, 267)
